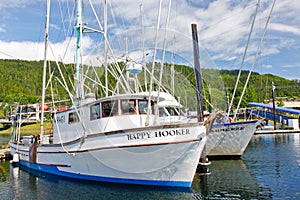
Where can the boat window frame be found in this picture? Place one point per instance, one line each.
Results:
(73, 117)
(132, 109)
(95, 111)
(172, 111)
(152, 107)
(114, 108)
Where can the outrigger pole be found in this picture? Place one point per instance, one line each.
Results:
(45, 69)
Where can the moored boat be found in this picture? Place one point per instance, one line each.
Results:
(115, 138)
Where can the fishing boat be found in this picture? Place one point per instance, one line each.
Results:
(229, 139)
(224, 139)
(115, 138)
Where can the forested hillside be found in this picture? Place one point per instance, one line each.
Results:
(20, 81)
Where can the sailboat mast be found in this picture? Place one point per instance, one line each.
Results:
(45, 69)
(197, 72)
(78, 90)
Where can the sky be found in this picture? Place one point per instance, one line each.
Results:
(224, 27)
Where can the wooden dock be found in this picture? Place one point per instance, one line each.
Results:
(5, 153)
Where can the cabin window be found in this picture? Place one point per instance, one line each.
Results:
(162, 112)
(172, 111)
(109, 108)
(73, 117)
(128, 107)
(143, 106)
(95, 111)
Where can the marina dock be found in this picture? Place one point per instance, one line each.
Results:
(5, 154)
(280, 131)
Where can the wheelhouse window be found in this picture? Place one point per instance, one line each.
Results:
(143, 106)
(73, 117)
(95, 111)
(162, 112)
(128, 107)
(172, 111)
(109, 108)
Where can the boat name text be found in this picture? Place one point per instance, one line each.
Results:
(165, 133)
(60, 119)
(228, 129)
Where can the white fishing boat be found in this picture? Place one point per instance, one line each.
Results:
(113, 139)
(224, 139)
(230, 139)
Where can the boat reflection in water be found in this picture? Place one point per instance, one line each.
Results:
(30, 184)
(230, 179)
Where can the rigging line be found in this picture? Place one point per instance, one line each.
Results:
(126, 85)
(153, 62)
(65, 86)
(244, 55)
(70, 26)
(254, 59)
(143, 44)
(96, 16)
(61, 17)
(207, 27)
(98, 83)
(68, 75)
(8, 55)
(163, 58)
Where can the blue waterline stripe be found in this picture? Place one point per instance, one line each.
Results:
(235, 123)
(54, 170)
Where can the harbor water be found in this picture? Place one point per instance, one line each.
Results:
(269, 169)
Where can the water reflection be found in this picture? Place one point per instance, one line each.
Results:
(273, 160)
(34, 185)
(4, 171)
(230, 179)
(269, 169)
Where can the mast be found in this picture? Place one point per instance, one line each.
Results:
(45, 69)
(197, 73)
(105, 47)
(143, 46)
(78, 90)
(273, 100)
(203, 162)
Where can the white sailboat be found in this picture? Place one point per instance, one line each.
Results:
(113, 139)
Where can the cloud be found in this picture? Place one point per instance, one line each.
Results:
(62, 51)
(296, 65)
(285, 28)
(224, 27)
(267, 66)
(16, 3)
(2, 29)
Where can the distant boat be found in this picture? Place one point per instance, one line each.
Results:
(230, 139)
(112, 139)
(224, 139)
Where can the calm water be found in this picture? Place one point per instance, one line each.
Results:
(269, 169)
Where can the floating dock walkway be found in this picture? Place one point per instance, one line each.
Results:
(280, 131)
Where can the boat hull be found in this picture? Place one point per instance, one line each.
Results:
(229, 139)
(161, 157)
